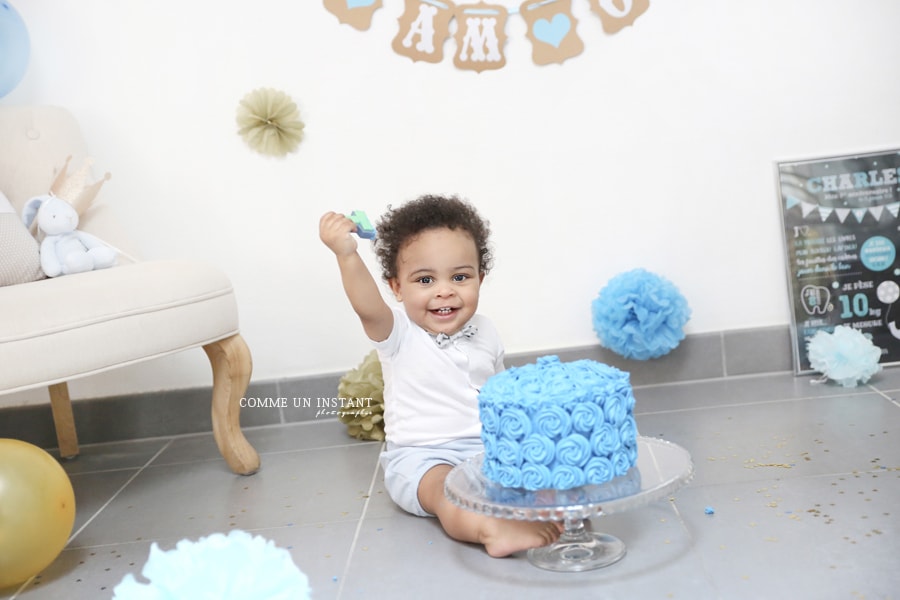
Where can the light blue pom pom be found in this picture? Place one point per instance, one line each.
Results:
(640, 315)
(219, 567)
(845, 356)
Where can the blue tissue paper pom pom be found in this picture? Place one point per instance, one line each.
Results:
(640, 315)
(220, 567)
(846, 355)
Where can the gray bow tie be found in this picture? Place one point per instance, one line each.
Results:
(443, 340)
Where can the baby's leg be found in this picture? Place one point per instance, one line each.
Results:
(500, 537)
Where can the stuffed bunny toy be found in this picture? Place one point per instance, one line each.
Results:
(65, 250)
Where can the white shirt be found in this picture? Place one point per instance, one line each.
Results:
(431, 393)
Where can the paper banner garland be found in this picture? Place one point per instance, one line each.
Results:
(424, 27)
(480, 35)
(618, 14)
(356, 13)
(551, 29)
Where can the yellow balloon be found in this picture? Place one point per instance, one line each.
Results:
(37, 511)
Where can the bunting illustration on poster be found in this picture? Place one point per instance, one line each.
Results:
(480, 36)
(810, 210)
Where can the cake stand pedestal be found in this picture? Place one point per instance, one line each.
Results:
(662, 467)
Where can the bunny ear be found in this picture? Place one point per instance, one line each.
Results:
(31, 209)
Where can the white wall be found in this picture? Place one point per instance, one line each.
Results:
(654, 148)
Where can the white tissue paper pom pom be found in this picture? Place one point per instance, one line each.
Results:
(846, 356)
(218, 567)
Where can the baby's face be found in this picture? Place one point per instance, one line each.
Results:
(438, 279)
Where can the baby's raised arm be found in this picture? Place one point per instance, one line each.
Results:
(375, 315)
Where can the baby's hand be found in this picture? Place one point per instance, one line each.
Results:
(335, 230)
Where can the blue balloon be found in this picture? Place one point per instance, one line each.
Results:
(14, 48)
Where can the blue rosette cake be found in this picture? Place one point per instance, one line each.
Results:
(555, 425)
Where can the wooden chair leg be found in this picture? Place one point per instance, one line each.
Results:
(231, 366)
(63, 420)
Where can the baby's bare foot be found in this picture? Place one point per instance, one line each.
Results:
(503, 537)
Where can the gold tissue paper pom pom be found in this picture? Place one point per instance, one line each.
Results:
(269, 122)
(362, 391)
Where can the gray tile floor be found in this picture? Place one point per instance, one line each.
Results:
(804, 480)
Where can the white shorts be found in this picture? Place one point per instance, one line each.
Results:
(404, 467)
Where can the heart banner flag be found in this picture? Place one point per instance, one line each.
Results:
(480, 35)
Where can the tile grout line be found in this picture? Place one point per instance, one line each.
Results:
(722, 354)
(119, 491)
(359, 525)
(72, 537)
(692, 539)
(883, 395)
(747, 403)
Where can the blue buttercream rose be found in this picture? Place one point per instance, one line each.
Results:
(563, 477)
(509, 476)
(620, 462)
(490, 445)
(536, 477)
(547, 362)
(509, 452)
(629, 397)
(489, 420)
(499, 390)
(615, 408)
(559, 384)
(590, 370)
(574, 449)
(538, 449)
(604, 440)
(580, 369)
(598, 470)
(624, 390)
(585, 417)
(514, 424)
(632, 452)
(527, 384)
(552, 421)
(528, 389)
(628, 430)
(563, 390)
(489, 467)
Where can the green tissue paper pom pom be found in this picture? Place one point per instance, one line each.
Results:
(362, 389)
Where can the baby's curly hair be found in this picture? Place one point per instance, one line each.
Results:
(398, 226)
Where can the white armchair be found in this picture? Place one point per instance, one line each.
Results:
(56, 330)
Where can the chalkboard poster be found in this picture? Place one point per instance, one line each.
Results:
(840, 217)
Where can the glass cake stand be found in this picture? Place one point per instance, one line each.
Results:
(662, 467)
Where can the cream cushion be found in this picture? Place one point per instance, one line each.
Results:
(20, 260)
(71, 326)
